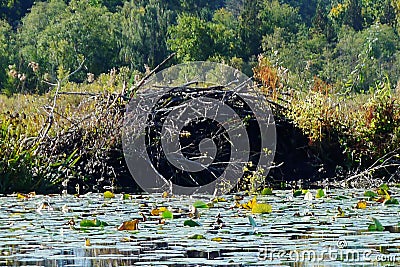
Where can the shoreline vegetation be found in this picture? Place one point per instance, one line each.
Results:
(330, 71)
(353, 139)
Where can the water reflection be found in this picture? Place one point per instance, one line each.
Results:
(306, 230)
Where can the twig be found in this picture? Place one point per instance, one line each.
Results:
(374, 167)
(134, 88)
(50, 120)
(79, 93)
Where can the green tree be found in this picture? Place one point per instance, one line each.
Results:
(250, 28)
(353, 16)
(223, 30)
(57, 36)
(363, 58)
(321, 23)
(143, 33)
(6, 36)
(203, 9)
(14, 10)
(273, 15)
(307, 9)
(191, 38)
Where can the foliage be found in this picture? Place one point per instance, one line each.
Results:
(69, 35)
(143, 33)
(6, 36)
(191, 38)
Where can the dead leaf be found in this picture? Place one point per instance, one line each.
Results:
(158, 211)
(129, 225)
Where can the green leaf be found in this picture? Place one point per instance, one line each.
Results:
(376, 226)
(167, 215)
(391, 201)
(87, 223)
(197, 236)
(370, 194)
(92, 223)
(297, 193)
(320, 193)
(266, 191)
(191, 223)
(72, 155)
(200, 205)
(126, 196)
(384, 187)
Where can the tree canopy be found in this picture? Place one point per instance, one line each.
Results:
(308, 38)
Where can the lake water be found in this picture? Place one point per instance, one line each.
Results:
(297, 232)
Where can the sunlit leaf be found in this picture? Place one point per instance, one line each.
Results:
(249, 205)
(362, 204)
(22, 196)
(216, 239)
(382, 192)
(126, 196)
(320, 193)
(340, 212)
(198, 204)
(384, 187)
(297, 193)
(370, 194)
(219, 199)
(392, 201)
(109, 194)
(93, 223)
(167, 215)
(158, 211)
(261, 208)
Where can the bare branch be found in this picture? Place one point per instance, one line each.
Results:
(134, 88)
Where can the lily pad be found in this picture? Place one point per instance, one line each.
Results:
(109, 194)
(191, 223)
(376, 226)
(320, 193)
(261, 208)
(198, 204)
(197, 236)
(167, 215)
(391, 201)
(266, 191)
(370, 194)
(93, 223)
